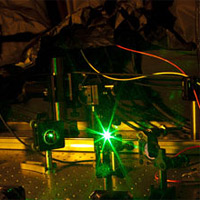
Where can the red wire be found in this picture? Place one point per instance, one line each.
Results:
(195, 94)
(188, 148)
(163, 59)
(151, 55)
(168, 180)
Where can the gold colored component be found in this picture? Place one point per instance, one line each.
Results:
(57, 111)
(113, 160)
(87, 145)
(194, 121)
(12, 143)
(34, 166)
(78, 144)
(71, 144)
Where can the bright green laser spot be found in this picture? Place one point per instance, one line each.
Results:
(107, 135)
(50, 137)
(108, 138)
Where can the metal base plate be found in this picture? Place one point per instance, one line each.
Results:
(78, 181)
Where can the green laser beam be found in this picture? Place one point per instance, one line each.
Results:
(98, 140)
(112, 116)
(99, 121)
(94, 131)
(106, 136)
(118, 139)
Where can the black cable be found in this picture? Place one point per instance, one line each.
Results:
(132, 126)
(65, 162)
(141, 115)
(13, 133)
(122, 116)
(156, 104)
(173, 87)
(168, 116)
(128, 110)
(30, 147)
(72, 162)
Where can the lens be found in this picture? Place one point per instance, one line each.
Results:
(50, 137)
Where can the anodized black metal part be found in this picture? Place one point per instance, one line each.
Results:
(152, 140)
(111, 195)
(189, 84)
(115, 141)
(12, 192)
(39, 130)
(104, 169)
(177, 162)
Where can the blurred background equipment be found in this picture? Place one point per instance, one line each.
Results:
(99, 99)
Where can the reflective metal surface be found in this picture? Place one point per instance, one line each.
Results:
(78, 181)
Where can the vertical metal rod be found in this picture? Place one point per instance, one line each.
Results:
(194, 121)
(113, 160)
(108, 183)
(92, 118)
(108, 179)
(57, 111)
(49, 165)
(53, 88)
(163, 179)
(114, 185)
(70, 86)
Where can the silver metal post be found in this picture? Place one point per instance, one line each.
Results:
(114, 181)
(108, 183)
(49, 165)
